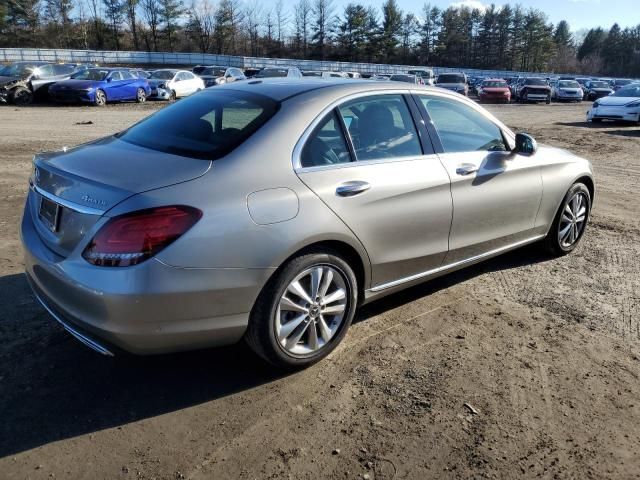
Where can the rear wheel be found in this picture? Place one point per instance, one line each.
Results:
(100, 99)
(21, 96)
(141, 95)
(304, 311)
(570, 222)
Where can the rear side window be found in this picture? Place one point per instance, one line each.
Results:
(381, 126)
(462, 128)
(208, 126)
(326, 145)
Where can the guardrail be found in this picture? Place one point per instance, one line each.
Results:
(173, 58)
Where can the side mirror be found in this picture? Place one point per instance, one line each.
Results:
(525, 144)
(109, 79)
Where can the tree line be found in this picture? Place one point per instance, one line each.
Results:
(509, 37)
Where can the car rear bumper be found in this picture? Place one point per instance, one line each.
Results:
(146, 309)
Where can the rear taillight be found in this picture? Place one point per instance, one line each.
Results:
(134, 237)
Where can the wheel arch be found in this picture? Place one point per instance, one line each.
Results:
(591, 186)
(343, 249)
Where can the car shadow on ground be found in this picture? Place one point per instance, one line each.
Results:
(54, 388)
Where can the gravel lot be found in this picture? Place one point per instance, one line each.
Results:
(522, 366)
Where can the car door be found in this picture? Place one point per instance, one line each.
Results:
(129, 85)
(114, 86)
(182, 85)
(496, 193)
(369, 163)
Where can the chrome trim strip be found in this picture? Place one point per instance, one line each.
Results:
(79, 336)
(418, 276)
(66, 203)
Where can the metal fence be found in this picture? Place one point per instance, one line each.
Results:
(171, 58)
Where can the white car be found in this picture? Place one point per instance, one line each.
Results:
(624, 104)
(169, 84)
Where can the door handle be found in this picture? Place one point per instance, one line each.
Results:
(349, 189)
(466, 169)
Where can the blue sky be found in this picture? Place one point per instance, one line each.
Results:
(579, 13)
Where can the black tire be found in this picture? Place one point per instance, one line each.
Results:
(100, 98)
(173, 96)
(141, 96)
(261, 333)
(552, 243)
(548, 102)
(21, 96)
(596, 120)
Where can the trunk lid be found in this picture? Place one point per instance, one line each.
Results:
(86, 181)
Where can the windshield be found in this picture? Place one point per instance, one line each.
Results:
(494, 84)
(18, 70)
(623, 82)
(91, 74)
(212, 71)
(536, 81)
(599, 85)
(207, 126)
(630, 91)
(451, 78)
(568, 84)
(162, 74)
(272, 72)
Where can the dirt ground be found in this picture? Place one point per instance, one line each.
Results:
(519, 367)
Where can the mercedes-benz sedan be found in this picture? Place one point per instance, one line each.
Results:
(270, 210)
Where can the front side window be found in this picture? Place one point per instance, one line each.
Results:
(208, 126)
(462, 128)
(381, 126)
(45, 71)
(116, 76)
(326, 145)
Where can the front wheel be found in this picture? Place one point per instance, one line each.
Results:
(172, 96)
(570, 222)
(304, 311)
(100, 99)
(21, 96)
(141, 95)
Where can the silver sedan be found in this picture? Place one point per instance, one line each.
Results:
(270, 210)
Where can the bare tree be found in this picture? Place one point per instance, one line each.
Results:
(131, 7)
(302, 20)
(281, 24)
(152, 14)
(253, 21)
(201, 24)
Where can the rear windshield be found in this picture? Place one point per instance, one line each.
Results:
(599, 85)
(451, 78)
(494, 84)
(207, 126)
(623, 82)
(212, 71)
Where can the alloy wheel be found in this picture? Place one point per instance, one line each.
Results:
(311, 310)
(141, 96)
(101, 99)
(573, 220)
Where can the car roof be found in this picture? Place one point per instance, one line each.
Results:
(280, 89)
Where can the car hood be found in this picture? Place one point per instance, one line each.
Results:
(5, 80)
(102, 173)
(154, 82)
(601, 90)
(75, 84)
(612, 101)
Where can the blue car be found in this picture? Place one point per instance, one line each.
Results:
(101, 85)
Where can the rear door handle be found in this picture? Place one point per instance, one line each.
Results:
(466, 169)
(349, 189)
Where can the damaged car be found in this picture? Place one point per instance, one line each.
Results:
(23, 82)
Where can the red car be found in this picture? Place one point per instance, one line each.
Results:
(494, 90)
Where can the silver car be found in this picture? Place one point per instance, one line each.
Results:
(270, 210)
